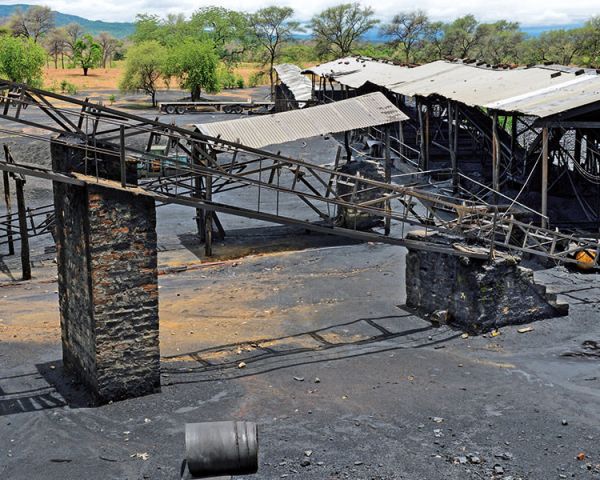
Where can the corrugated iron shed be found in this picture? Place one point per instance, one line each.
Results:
(566, 97)
(291, 76)
(474, 86)
(257, 132)
(355, 72)
(536, 91)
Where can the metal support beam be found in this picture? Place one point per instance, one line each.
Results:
(544, 191)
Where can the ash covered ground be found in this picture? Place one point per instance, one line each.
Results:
(334, 365)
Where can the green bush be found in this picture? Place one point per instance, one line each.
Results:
(226, 78)
(257, 78)
(68, 87)
(239, 81)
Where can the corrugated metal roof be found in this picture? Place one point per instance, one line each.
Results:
(475, 86)
(257, 132)
(355, 72)
(537, 91)
(291, 76)
(579, 92)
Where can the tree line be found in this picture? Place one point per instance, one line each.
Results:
(30, 39)
(200, 52)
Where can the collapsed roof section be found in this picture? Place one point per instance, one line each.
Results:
(537, 91)
(299, 85)
(260, 131)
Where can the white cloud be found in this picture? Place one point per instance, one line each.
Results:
(532, 12)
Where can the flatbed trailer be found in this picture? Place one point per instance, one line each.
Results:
(218, 106)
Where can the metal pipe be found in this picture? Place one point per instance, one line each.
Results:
(221, 448)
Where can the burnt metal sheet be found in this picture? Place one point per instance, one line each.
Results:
(355, 71)
(291, 76)
(538, 91)
(474, 86)
(257, 132)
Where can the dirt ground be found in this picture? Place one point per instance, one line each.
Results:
(334, 364)
(108, 78)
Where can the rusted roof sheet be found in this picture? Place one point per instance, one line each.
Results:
(291, 76)
(536, 91)
(257, 132)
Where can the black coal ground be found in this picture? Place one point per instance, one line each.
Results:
(386, 379)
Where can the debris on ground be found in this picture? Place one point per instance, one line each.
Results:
(525, 329)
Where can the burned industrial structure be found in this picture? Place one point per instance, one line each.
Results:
(484, 162)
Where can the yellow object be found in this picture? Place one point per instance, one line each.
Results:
(495, 333)
(586, 259)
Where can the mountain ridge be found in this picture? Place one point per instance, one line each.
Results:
(117, 29)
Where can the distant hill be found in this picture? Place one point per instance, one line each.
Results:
(117, 29)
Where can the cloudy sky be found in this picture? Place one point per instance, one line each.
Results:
(528, 12)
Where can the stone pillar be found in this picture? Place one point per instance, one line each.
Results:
(108, 285)
(474, 295)
(355, 192)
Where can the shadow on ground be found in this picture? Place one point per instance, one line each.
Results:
(356, 338)
(47, 388)
(252, 241)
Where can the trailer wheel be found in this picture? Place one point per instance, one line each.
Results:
(237, 109)
(170, 109)
(227, 109)
(181, 110)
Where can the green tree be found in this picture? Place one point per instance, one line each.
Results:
(461, 37)
(337, 29)
(407, 31)
(227, 29)
(87, 53)
(272, 27)
(34, 23)
(194, 63)
(21, 60)
(169, 31)
(144, 67)
(500, 42)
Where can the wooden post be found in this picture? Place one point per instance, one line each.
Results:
(577, 150)
(208, 215)
(388, 175)
(544, 177)
(208, 224)
(495, 155)
(452, 143)
(23, 232)
(456, 130)
(122, 156)
(422, 162)
(513, 144)
(347, 145)
(427, 140)
(9, 233)
(197, 193)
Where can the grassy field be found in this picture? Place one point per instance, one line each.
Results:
(108, 78)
